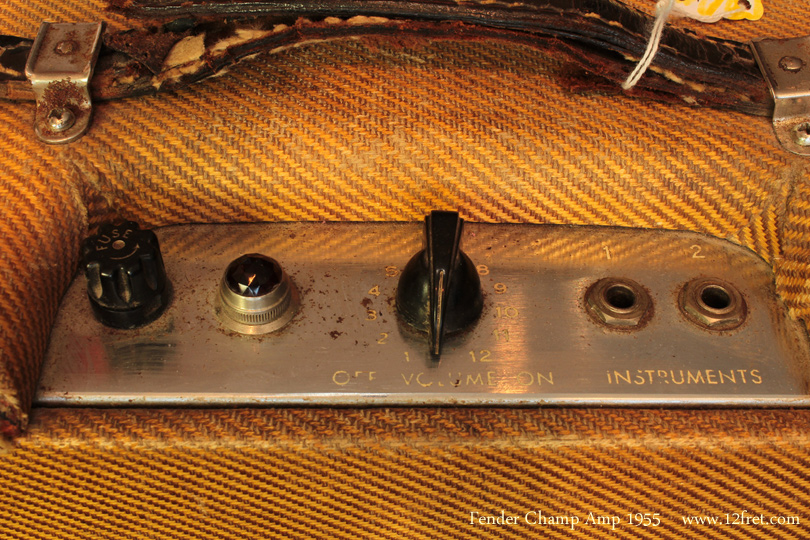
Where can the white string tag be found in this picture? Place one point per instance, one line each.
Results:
(662, 10)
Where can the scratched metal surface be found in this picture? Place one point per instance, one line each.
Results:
(533, 344)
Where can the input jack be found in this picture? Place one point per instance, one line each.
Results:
(620, 303)
(713, 304)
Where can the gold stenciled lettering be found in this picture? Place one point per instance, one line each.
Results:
(549, 379)
(730, 376)
(691, 378)
(478, 379)
(419, 380)
(483, 356)
(342, 378)
(458, 379)
(679, 377)
(506, 312)
(625, 378)
(524, 378)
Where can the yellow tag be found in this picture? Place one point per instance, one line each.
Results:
(714, 10)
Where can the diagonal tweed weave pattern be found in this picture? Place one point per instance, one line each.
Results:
(402, 473)
(384, 131)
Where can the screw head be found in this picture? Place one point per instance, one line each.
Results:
(801, 134)
(60, 119)
(791, 64)
(66, 47)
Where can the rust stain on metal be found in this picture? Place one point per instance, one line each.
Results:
(63, 95)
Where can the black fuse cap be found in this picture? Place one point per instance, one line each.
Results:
(126, 279)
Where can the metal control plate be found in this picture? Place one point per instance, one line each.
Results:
(534, 344)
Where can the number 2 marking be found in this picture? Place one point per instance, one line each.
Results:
(696, 249)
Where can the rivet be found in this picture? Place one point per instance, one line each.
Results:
(801, 134)
(791, 63)
(66, 47)
(60, 119)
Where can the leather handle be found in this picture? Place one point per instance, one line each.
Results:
(597, 39)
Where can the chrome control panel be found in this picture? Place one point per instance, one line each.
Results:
(567, 315)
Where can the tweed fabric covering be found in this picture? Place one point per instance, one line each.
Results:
(43, 220)
(401, 473)
(371, 130)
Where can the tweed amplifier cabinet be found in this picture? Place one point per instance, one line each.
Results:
(330, 149)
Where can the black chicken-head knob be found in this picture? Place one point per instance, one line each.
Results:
(439, 290)
(126, 280)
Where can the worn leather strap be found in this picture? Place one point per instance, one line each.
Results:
(598, 42)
